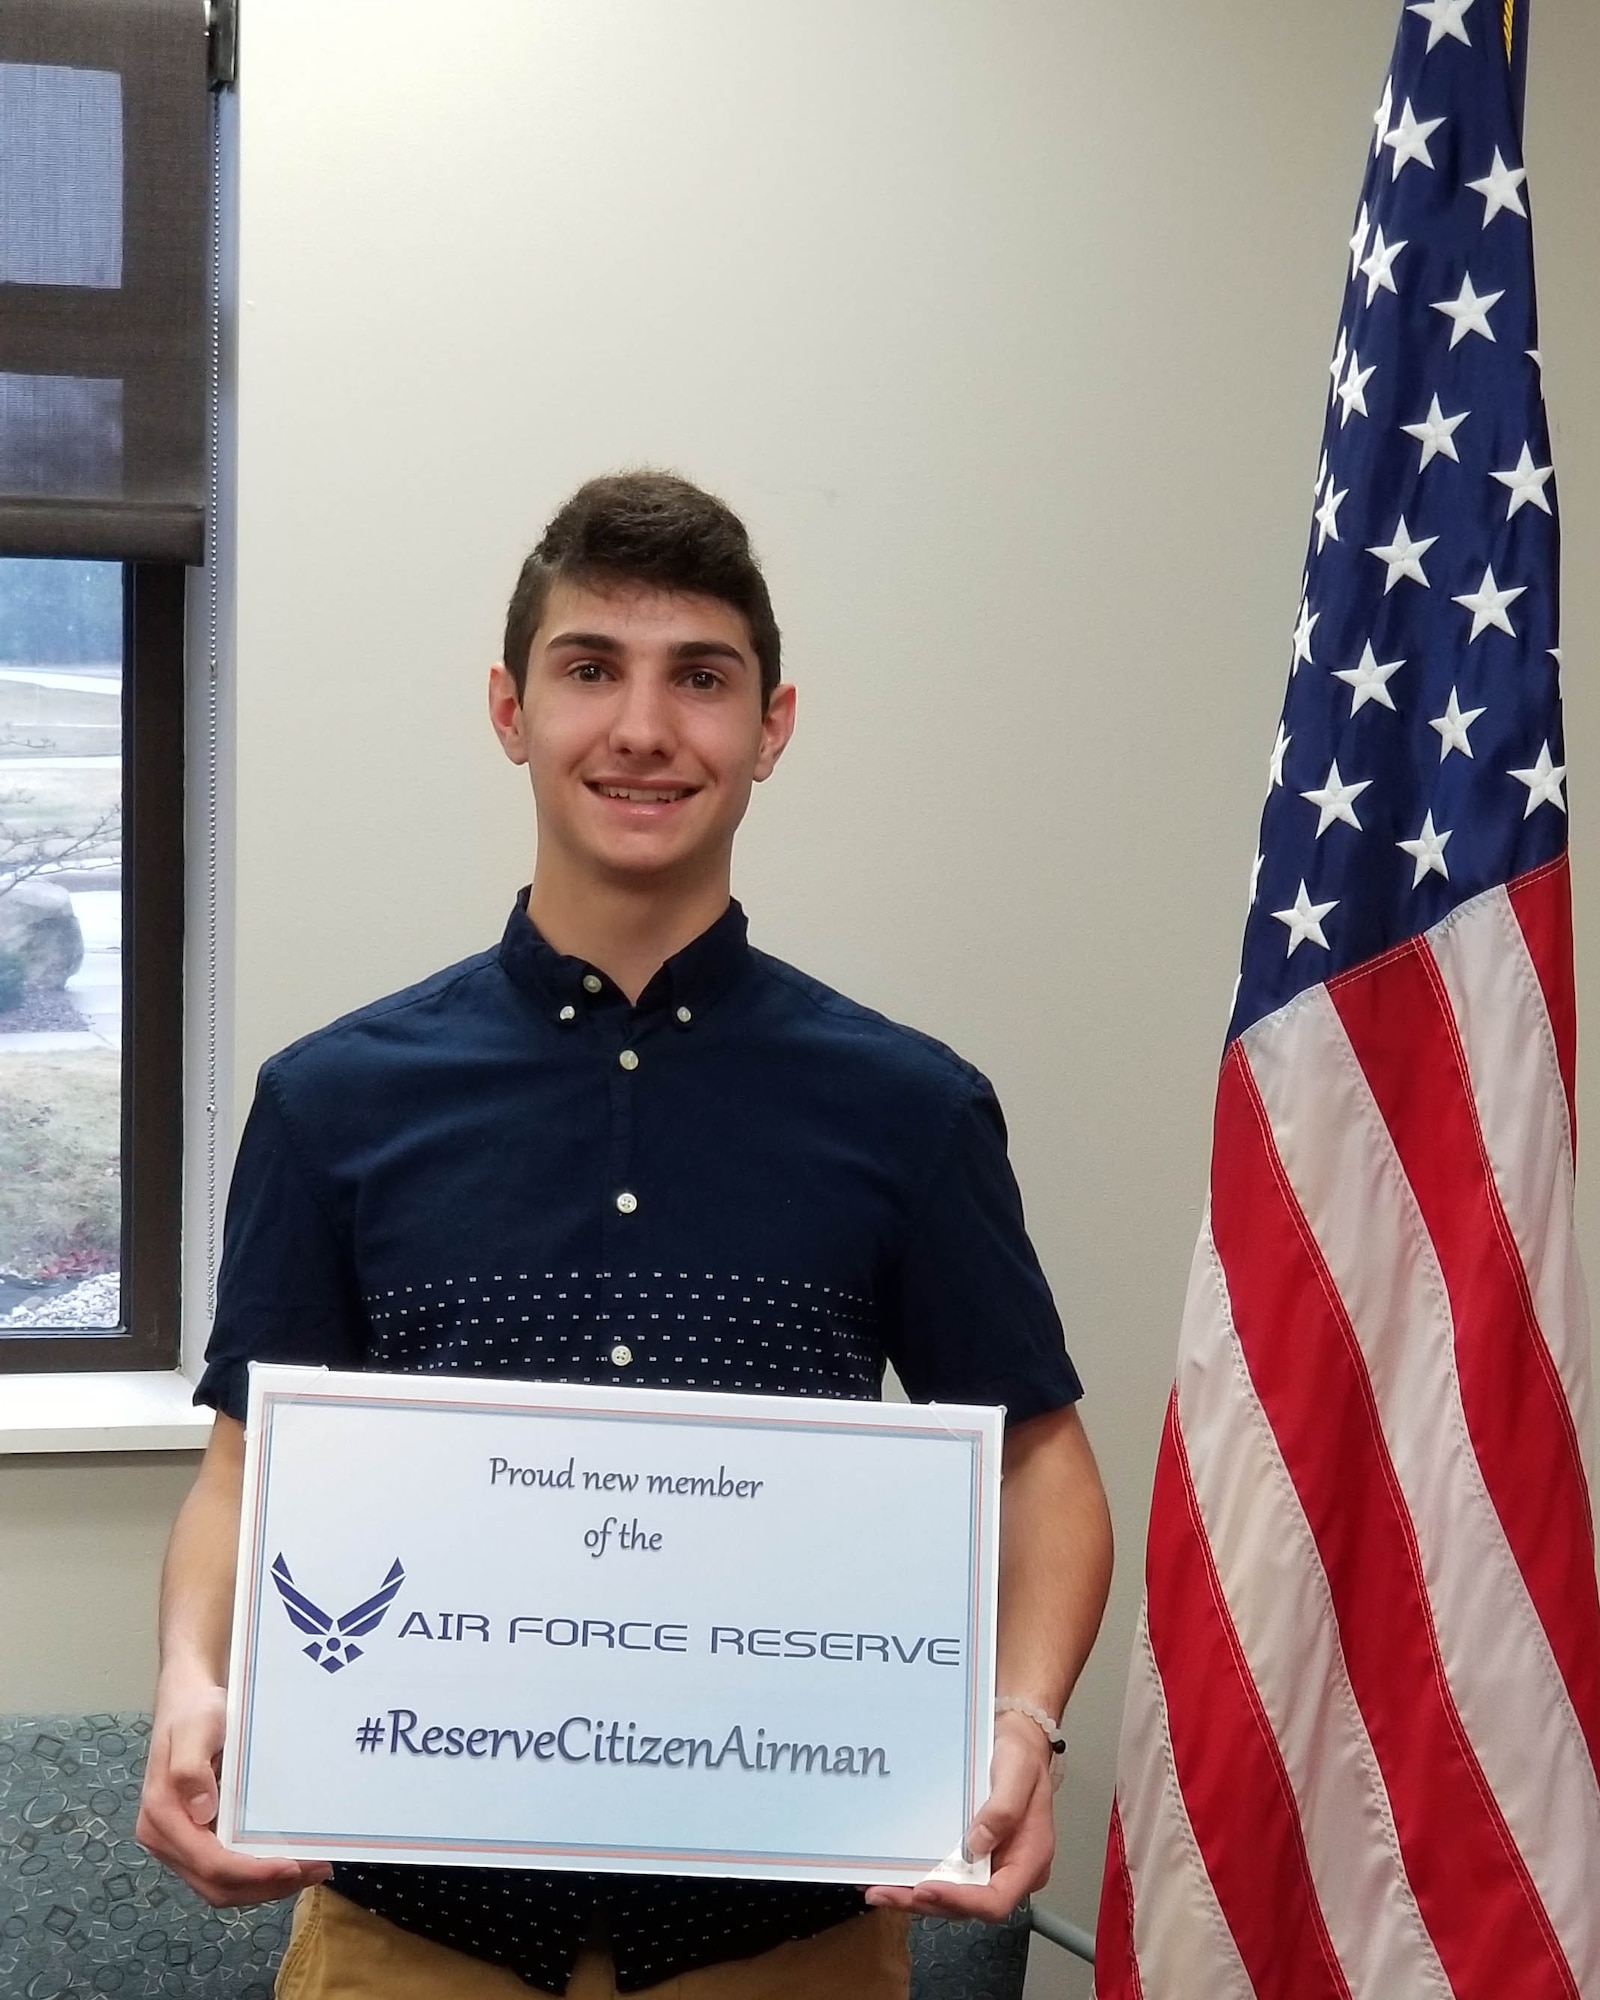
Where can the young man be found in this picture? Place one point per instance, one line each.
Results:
(626, 1090)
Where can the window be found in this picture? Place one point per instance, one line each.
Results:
(107, 318)
(91, 921)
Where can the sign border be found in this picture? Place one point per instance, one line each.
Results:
(273, 1386)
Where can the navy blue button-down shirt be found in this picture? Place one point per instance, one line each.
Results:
(743, 1182)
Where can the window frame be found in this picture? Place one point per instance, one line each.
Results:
(153, 682)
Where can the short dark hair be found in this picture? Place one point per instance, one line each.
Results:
(651, 528)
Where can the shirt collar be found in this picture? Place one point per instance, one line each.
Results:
(689, 981)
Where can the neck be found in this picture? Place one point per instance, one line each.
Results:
(627, 929)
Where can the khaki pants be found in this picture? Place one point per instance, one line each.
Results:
(339, 1951)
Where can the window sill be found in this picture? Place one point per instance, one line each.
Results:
(110, 1412)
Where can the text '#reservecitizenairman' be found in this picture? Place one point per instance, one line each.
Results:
(584, 1739)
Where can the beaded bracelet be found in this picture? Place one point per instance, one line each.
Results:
(1013, 1704)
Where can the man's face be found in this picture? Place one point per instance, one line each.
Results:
(642, 729)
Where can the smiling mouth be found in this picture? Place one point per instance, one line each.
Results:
(639, 796)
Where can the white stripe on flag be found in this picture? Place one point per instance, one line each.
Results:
(1510, 1047)
(1180, 1936)
(1348, 1180)
(1277, 1593)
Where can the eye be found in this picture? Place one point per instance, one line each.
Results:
(588, 671)
(704, 680)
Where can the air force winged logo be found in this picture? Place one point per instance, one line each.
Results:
(332, 1647)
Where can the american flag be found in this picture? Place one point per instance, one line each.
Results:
(1362, 1728)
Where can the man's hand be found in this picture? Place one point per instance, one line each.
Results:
(1015, 1828)
(178, 1811)
(1055, 1570)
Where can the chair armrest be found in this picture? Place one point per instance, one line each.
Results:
(1068, 1936)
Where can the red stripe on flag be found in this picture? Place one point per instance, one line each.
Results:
(1397, 1014)
(1235, 1789)
(1472, 1888)
(1542, 904)
(1116, 1967)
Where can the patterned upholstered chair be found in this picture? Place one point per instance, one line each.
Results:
(84, 1911)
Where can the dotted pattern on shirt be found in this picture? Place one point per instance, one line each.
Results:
(686, 1330)
(657, 1926)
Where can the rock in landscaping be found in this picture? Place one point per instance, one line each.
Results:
(40, 928)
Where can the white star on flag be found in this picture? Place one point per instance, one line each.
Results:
(1526, 483)
(1336, 369)
(1499, 189)
(1470, 311)
(1543, 781)
(1275, 761)
(1327, 516)
(1380, 117)
(1404, 557)
(1358, 242)
(1352, 390)
(1379, 267)
(1436, 434)
(1305, 921)
(1453, 726)
(1255, 875)
(1443, 18)
(1305, 625)
(1336, 800)
(1410, 138)
(1427, 851)
(1371, 683)
(1488, 606)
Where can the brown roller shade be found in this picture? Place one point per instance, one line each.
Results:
(104, 178)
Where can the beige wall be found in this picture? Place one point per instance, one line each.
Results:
(1004, 322)
(80, 1552)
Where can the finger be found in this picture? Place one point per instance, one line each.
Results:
(301, 1875)
(943, 1899)
(214, 1871)
(1016, 1871)
(192, 1747)
(1014, 1786)
(226, 1887)
(992, 1902)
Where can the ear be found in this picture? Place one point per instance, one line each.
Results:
(505, 713)
(777, 726)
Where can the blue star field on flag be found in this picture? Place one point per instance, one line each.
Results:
(1419, 756)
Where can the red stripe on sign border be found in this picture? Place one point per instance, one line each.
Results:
(1541, 902)
(1397, 1015)
(1229, 1768)
(1472, 1887)
(1116, 1963)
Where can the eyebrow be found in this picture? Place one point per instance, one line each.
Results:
(686, 649)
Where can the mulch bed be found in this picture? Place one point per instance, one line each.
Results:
(41, 1013)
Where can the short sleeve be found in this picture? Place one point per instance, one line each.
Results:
(285, 1291)
(970, 1315)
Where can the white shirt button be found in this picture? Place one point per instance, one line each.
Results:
(628, 1059)
(592, 982)
(621, 1355)
(568, 1014)
(627, 1203)
(685, 1016)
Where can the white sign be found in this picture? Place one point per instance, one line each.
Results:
(522, 1624)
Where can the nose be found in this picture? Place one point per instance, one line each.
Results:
(641, 722)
